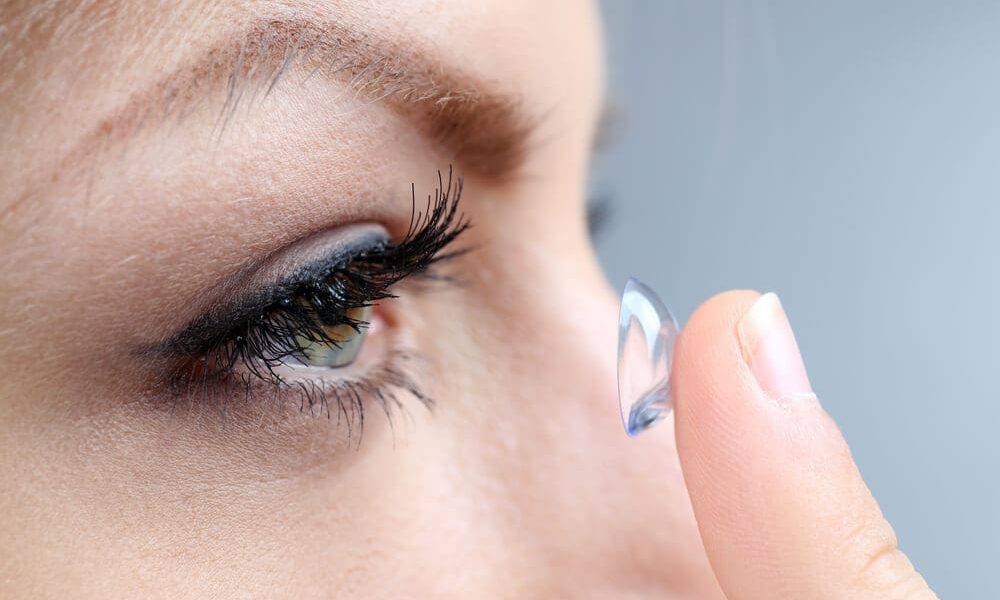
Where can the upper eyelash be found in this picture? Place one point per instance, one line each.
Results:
(260, 338)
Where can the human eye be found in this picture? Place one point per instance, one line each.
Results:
(303, 336)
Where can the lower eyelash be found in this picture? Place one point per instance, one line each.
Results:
(343, 400)
(346, 397)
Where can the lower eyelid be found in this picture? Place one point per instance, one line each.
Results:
(384, 378)
(254, 430)
(389, 387)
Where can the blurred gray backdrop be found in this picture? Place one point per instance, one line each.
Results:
(847, 155)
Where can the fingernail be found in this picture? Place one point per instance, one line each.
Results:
(769, 348)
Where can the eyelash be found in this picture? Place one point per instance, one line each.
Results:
(252, 348)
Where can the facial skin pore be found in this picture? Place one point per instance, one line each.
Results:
(153, 152)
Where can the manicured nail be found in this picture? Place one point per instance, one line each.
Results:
(769, 347)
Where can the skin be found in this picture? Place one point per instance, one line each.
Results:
(119, 230)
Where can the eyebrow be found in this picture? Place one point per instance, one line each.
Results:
(479, 127)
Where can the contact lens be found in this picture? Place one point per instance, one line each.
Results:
(647, 332)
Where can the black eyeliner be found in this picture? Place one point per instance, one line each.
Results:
(213, 327)
(264, 327)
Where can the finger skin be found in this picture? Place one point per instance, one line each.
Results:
(781, 507)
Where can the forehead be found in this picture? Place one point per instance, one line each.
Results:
(69, 66)
(68, 60)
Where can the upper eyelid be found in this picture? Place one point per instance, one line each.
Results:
(431, 230)
(211, 327)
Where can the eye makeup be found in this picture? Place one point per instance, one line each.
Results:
(295, 326)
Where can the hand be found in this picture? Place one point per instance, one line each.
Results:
(781, 507)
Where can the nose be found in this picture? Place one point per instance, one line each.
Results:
(581, 502)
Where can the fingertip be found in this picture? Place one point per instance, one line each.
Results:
(781, 508)
(714, 396)
(711, 326)
(707, 358)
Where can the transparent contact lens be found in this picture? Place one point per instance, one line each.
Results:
(646, 335)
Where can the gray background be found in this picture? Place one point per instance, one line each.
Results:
(844, 154)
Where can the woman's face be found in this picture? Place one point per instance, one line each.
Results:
(188, 186)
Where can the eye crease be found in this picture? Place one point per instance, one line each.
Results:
(296, 336)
